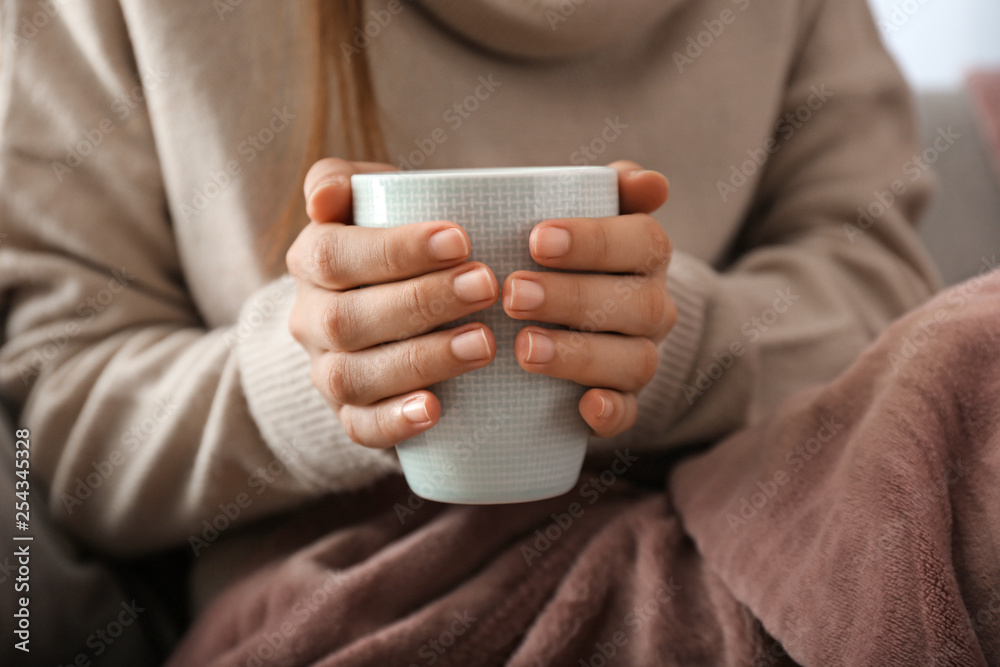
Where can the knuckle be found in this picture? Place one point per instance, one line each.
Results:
(654, 306)
(340, 381)
(385, 252)
(421, 304)
(384, 423)
(336, 325)
(413, 360)
(602, 243)
(322, 259)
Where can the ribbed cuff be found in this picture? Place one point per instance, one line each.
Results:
(293, 417)
(661, 403)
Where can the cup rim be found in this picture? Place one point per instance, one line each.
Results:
(485, 172)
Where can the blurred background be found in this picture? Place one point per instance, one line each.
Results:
(937, 41)
(950, 52)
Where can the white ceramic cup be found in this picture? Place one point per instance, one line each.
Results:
(505, 435)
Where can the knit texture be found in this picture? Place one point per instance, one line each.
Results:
(292, 415)
(145, 148)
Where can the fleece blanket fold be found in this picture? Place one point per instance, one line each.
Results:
(859, 524)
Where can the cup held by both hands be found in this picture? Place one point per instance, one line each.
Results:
(495, 271)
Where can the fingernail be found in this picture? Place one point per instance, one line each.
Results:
(541, 349)
(471, 346)
(550, 242)
(607, 409)
(338, 180)
(475, 285)
(448, 244)
(525, 294)
(415, 410)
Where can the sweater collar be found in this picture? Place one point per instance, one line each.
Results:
(548, 28)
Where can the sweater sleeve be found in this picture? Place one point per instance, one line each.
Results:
(827, 255)
(145, 423)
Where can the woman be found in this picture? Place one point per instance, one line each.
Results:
(154, 156)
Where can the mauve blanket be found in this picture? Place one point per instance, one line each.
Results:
(858, 525)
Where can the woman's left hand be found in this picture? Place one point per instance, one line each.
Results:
(617, 313)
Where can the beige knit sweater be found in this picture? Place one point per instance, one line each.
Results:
(147, 145)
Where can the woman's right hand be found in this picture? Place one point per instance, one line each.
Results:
(369, 347)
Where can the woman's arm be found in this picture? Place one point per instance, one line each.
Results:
(139, 413)
(812, 280)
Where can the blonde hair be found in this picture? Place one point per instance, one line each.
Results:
(335, 21)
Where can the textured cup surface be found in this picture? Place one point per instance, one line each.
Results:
(504, 435)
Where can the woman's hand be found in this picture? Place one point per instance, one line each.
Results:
(370, 351)
(619, 318)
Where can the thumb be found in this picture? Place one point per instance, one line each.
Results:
(328, 187)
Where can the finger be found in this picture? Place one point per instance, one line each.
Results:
(621, 244)
(339, 257)
(629, 304)
(358, 319)
(328, 187)
(609, 412)
(361, 378)
(390, 421)
(625, 363)
(640, 190)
